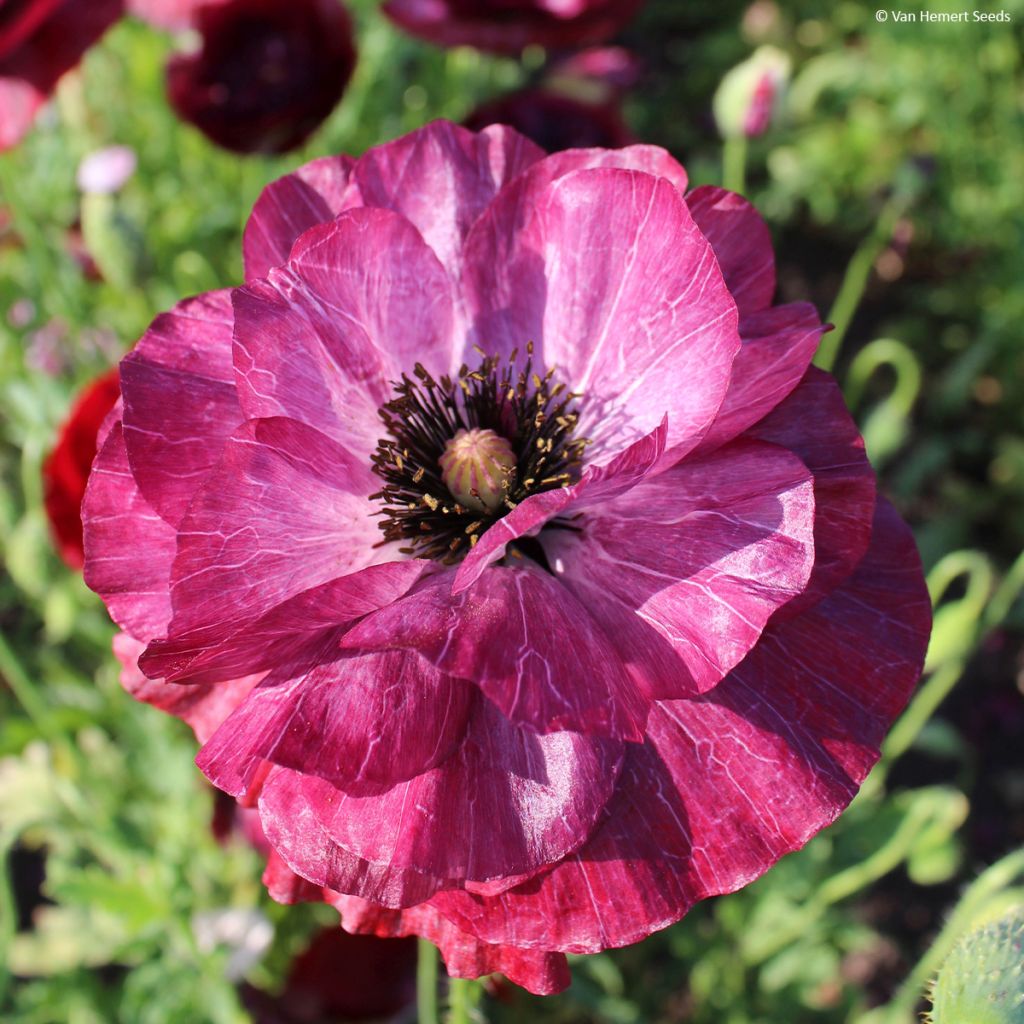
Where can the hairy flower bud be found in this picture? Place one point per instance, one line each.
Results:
(477, 467)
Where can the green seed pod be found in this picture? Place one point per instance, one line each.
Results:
(982, 979)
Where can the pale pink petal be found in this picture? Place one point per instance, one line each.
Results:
(703, 554)
(361, 300)
(517, 801)
(441, 177)
(732, 781)
(525, 641)
(314, 194)
(128, 547)
(605, 271)
(464, 956)
(379, 719)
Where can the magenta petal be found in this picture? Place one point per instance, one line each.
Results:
(464, 956)
(649, 159)
(599, 484)
(525, 641)
(201, 707)
(314, 194)
(287, 633)
(128, 547)
(180, 403)
(378, 718)
(778, 346)
(815, 424)
(742, 244)
(703, 554)
(653, 331)
(285, 510)
(361, 300)
(734, 780)
(441, 177)
(507, 802)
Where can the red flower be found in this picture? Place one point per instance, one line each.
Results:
(168, 14)
(39, 41)
(507, 26)
(268, 73)
(504, 549)
(66, 470)
(341, 977)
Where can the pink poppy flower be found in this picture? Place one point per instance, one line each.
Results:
(66, 468)
(507, 26)
(267, 74)
(39, 41)
(504, 549)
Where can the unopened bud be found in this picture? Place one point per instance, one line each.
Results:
(477, 468)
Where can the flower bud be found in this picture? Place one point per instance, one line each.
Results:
(477, 467)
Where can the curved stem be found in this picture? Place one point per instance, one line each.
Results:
(426, 983)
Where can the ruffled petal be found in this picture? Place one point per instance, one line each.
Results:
(742, 244)
(128, 547)
(648, 159)
(441, 177)
(284, 511)
(180, 403)
(202, 707)
(525, 640)
(507, 802)
(378, 719)
(730, 782)
(778, 346)
(605, 271)
(815, 424)
(288, 633)
(464, 956)
(361, 300)
(702, 554)
(314, 194)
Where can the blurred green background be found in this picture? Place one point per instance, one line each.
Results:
(892, 178)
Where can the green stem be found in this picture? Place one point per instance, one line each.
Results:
(855, 280)
(734, 164)
(462, 997)
(8, 922)
(426, 983)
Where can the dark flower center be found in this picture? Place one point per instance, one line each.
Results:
(462, 453)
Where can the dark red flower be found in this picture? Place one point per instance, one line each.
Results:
(66, 470)
(507, 26)
(39, 41)
(554, 121)
(268, 72)
(504, 549)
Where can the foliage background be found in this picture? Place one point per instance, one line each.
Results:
(901, 148)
